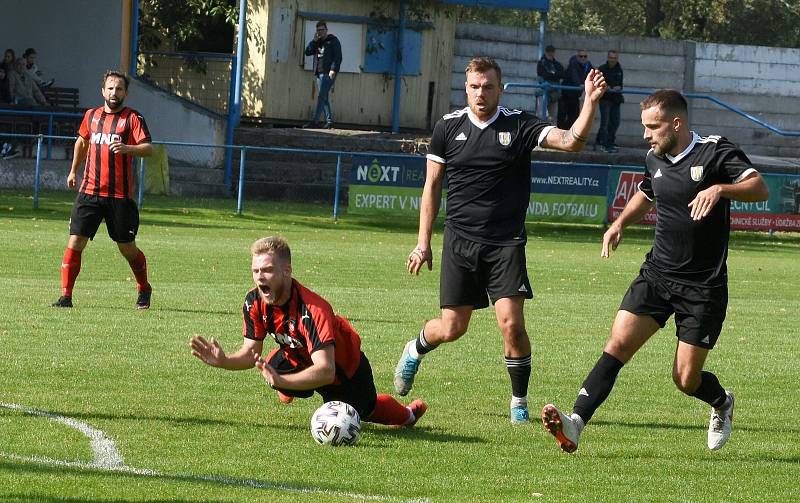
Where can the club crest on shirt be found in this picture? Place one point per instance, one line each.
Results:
(504, 137)
(696, 172)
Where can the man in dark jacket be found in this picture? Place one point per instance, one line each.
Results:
(569, 105)
(610, 103)
(327, 52)
(551, 71)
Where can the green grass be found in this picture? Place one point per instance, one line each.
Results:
(210, 435)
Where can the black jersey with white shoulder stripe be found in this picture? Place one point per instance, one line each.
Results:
(488, 168)
(684, 250)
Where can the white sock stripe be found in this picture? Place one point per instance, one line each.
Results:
(518, 362)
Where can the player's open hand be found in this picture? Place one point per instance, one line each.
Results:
(210, 353)
(418, 256)
(595, 85)
(703, 202)
(267, 372)
(611, 240)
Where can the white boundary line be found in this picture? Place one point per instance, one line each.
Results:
(106, 457)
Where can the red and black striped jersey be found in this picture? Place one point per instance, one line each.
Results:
(107, 174)
(304, 324)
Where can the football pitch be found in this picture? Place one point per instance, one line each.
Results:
(105, 403)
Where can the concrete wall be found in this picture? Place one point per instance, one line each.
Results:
(762, 81)
(173, 119)
(76, 41)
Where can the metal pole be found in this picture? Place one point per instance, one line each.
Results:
(240, 197)
(141, 182)
(338, 186)
(235, 101)
(49, 134)
(134, 38)
(398, 69)
(38, 172)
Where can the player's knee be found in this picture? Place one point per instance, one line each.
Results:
(685, 381)
(453, 330)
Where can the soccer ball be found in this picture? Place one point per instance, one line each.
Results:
(336, 423)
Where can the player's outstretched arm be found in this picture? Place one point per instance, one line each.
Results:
(634, 211)
(321, 373)
(211, 353)
(573, 139)
(429, 208)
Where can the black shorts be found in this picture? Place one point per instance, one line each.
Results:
(358, 390)
(699, 311)
(121, 216)
(471, 271)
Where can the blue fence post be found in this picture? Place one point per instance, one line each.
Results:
(49, 135)
(338, 187)
(240, 197)
(141, 182)
(39, 139)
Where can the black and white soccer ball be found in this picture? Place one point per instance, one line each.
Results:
(336, 423)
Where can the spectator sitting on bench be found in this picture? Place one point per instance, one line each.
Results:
(23, 89)
(5, 88)
(8, 60)
(33, 70)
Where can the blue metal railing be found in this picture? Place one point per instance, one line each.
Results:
(243, 149)
(634, 90)
(50, 121)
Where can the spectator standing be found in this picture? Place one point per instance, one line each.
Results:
(9, 57)
(327, 52)
(108, 139)
(610, 103)
(551, 71)
(569, 104)
(24, 90)
(33, 70)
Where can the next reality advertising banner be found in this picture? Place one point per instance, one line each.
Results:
(576, 193)
(393, 185)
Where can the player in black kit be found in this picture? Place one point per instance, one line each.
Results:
(691, 179)
(485, 151)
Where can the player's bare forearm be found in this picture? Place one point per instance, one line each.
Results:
(79, 153)
(751, 189)
(429, 203)
(321, 373)
(573, 139)
(634, 211)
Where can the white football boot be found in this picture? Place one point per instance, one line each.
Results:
(566, 429)
(720, 425)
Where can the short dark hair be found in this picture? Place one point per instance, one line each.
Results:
(669, 101)
(482, 65)
(28, 52)
(322, 23)
(549, 48)
(117, 74)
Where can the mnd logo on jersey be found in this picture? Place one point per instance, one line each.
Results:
(105, 138)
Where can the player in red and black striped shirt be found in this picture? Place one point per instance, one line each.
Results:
(109, 138)
(317, 350)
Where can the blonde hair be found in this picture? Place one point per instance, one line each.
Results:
(275, 245)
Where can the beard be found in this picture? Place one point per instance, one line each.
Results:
(115, 105)
(669, 143)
